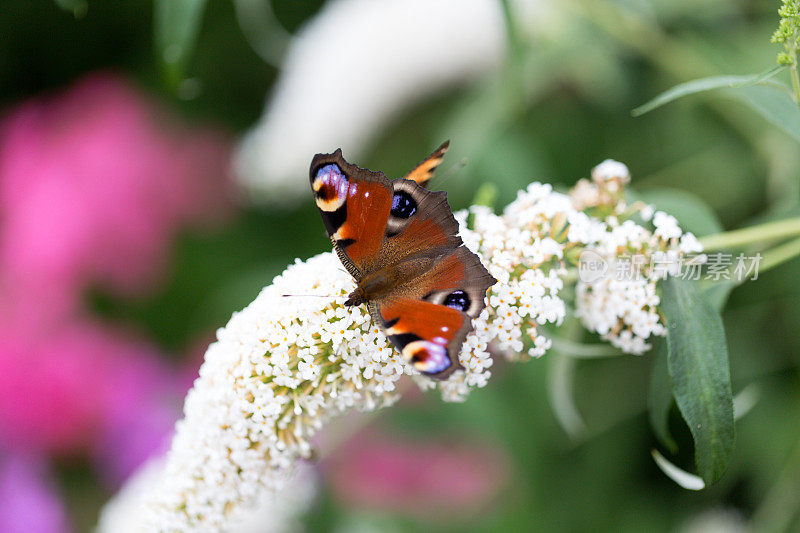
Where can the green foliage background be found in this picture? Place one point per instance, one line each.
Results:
(574, 112)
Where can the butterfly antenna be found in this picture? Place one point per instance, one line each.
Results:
(454, 169)
(328, 296)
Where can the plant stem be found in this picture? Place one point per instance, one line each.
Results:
(779, 255)
(779, 506)
(560, 385)
(763, 232)
(793, 74)
(512, 31)
(262, 30)
(514, 84)
(795, 82)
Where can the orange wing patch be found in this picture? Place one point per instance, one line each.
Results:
(427, 335)
(368, 205)
(416, 316)
(421, 234)
(423, 172)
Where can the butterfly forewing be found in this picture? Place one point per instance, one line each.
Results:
(354, 204)
(424, 223)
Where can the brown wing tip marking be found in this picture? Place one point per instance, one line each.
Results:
(423, 172)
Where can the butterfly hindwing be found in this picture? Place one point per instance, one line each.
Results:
(428, 316)
(459, 281)
(427, 335)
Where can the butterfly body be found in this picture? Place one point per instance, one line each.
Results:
(391, 279)
(400, 242)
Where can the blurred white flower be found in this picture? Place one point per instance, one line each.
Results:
(716, 520)
(614, 173)
(666, 226)
(355, 66)
(609, 178)
(689, 244)
(123, 512)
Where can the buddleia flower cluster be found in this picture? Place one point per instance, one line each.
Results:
(788, 32)
(621, 302)
(285, 365)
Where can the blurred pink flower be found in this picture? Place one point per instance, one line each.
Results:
(28, 502)
(93, 185)
(64, 386)
(421, 479)
(139, 417)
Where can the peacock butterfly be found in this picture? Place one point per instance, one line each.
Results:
(400, 242)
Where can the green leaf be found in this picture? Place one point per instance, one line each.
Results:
(691, 211)
(717, 292)
(659, 398)
(177, 23)
(775, 105)
(705, 84)
(698, 368)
